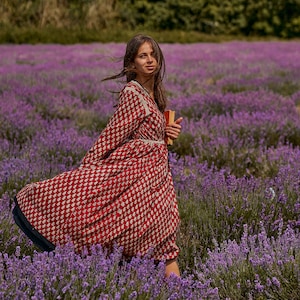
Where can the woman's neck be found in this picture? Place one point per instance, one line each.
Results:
(147, 84)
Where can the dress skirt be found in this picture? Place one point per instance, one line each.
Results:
(122, 193)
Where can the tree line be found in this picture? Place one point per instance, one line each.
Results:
(279, 18)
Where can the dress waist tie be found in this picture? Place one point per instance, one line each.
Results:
(161, 142)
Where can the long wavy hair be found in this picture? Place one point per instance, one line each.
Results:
(131, 52)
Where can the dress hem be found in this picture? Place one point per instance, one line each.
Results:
(39, 240)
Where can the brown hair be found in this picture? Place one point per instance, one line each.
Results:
(131, 51)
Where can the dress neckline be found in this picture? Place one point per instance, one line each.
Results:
(145, 90)
(142, 87)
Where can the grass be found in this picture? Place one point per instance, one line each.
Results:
(46, 35)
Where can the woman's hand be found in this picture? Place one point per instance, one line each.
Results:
(173, 130)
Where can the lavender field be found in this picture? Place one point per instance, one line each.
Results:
(236, 169)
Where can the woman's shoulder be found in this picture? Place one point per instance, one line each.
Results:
(131, 90)
(133, 95)
(132, 86)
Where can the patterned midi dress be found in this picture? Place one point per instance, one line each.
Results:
(122, 193)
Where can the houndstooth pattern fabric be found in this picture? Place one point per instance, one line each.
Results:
(122, 192)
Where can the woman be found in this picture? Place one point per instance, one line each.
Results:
(123, 191)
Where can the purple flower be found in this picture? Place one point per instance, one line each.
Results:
(276, 282)
(133, 295)
(237, 178)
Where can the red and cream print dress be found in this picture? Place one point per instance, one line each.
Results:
(122, 192)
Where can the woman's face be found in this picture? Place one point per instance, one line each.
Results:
(145, 63)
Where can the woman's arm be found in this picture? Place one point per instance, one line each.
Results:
(130, 113)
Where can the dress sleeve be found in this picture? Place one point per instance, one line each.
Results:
(132, 110)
